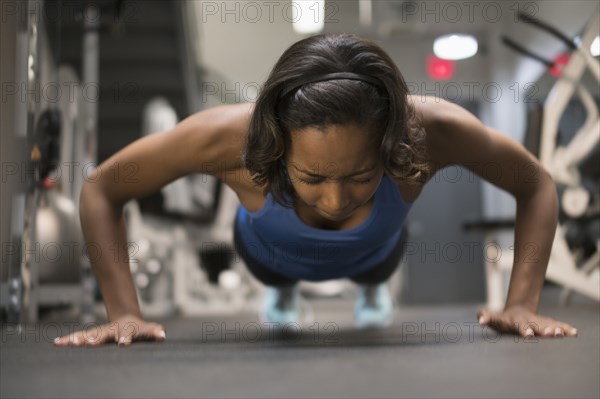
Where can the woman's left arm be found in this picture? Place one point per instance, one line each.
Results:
(460, 138)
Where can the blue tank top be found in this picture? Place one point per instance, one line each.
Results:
(277, 238)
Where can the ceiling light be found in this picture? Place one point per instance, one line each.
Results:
(308, 16)
(595, 47)
(455, 46)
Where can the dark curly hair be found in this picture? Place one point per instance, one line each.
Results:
(384, 112)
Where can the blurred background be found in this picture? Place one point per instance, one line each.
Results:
(81, 80)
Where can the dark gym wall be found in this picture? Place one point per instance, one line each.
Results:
(139, 59)
(443, 263)
(12, 146)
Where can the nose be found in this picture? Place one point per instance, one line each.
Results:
(334, 198)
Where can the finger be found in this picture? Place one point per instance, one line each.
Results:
(62, 341)
(94, 341)
(126, 334)
(497, 321)
(124, 340)
(59, 341)
(524, 327)
(76, 341)
(548, 331)
(527, 329)
(554, 329)
(95, 337)
(560, 330)
(159, 333)
(484, 317)
(569, 330)
(70, 340)
(152, 332)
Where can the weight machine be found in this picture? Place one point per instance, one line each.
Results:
(574, 270)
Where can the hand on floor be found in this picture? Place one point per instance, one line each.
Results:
(524, 322)
(123, 331)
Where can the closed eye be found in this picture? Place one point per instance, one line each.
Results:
(318, 181)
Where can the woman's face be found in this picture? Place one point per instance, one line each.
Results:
(334, 170)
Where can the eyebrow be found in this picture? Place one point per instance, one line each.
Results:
(360, 172)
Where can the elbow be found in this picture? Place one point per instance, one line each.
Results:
(88, 193)
(549, 190)
(538, 186)
(541, 193)
(92, 199)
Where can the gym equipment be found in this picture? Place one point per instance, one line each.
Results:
(45, 152)
(563, 161)
(568, 266)
(182, 259)
(170, 276)
(52, 272)
(50, 267)
(190, 196)
(57, 238)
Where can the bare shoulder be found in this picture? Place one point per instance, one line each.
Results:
(208, 142)
(432, 108)
(216, 137)
(434, 113)
(438, 117)
(219, 135)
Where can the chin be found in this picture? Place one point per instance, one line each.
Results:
(336, 218)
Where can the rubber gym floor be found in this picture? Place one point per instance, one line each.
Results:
(429, 352)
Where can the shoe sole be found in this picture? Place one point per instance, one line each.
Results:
(306, 316)
(262, 315)
(375, 325)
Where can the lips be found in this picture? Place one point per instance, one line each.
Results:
(339, 216)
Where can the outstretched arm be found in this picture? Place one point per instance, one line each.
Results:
(461, 139)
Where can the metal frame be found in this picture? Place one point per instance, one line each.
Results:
(561, 162)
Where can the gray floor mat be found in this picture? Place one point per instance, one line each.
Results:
(429, 351)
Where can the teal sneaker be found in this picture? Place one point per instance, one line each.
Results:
(281, 305)
(374, 306)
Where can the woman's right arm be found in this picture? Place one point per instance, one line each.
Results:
(208, 142)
